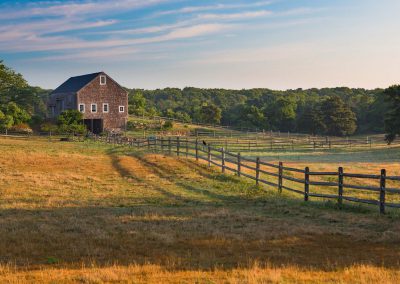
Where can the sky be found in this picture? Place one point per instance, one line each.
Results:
(276, 44)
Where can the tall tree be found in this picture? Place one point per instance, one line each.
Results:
(210, 113)
(311, 121)
(6, 121)
(339, 119)
(18, 114)
(392, 117)
(281, 113)
(137, 104)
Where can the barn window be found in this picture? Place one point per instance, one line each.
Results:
(105, 108)
(103, 80)
(82, 108)
(121, 109)
(94, 107)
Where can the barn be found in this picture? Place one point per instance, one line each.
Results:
(101, 100)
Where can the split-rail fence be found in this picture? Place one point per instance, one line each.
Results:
(299, 181)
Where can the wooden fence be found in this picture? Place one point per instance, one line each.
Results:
(255, 140)
(299, 181)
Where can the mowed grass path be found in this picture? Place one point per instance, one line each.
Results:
(81, 212)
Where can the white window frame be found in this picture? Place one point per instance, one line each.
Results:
(105, 80)
(108, 107)
(123, 109)
(83, 111)
(91, 108)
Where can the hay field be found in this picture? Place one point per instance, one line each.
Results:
(89, 213)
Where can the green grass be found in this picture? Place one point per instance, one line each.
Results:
(391, 154)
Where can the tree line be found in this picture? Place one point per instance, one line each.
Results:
(328, 111)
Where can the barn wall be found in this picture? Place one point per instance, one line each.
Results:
(110, 93)
(68, 100)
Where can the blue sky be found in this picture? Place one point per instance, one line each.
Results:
(277, 44)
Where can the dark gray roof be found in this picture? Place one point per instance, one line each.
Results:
(74, 84)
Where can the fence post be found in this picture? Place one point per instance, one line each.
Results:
(280, 178)
(187, 148)
(257, 170)
(340, 189)
(239, 164)
(178, 145)
(197, 149)
(169, 146)
(382, 195)
(148, 143)
(306, 183)
(209, 156)
(223, 160)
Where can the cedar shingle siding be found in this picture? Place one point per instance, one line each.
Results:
(87, 90)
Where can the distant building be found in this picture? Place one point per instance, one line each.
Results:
(101, 100)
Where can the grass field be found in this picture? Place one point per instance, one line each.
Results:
(89, 213)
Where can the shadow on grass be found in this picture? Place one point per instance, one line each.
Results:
(229, 231)
(179, 239)
(252, 193)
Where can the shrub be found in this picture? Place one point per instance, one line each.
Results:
(131, 125)
(168, 125)
(48, 127)
(22, 128)
(70, 121)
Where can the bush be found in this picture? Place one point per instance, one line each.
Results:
(168, 125)
(72, 128)
(130, 125)
(22, 128)
(70, 121)
(48, 127)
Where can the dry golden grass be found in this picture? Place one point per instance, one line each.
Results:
(157, 274)
(84, 212)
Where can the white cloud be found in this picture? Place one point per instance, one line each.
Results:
(192, 9)
(63, 43)
(235, 16)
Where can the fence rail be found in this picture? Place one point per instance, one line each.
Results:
(257, 140)
(330, 185)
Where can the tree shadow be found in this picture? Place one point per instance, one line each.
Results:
(227, 232)
(177, 238)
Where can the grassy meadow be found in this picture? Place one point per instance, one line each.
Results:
(90, 213)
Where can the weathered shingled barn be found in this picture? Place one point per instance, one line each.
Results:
(103, 102)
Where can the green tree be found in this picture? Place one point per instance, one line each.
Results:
(210, 113)
(339, 119)
(311, 121)
(18, 114)
(170, 113)
(137, 104)
(71, 121)
(183, 116)
(9, 82)
(14, 88)
(392, 117)
(6, 121)
(282, 113)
